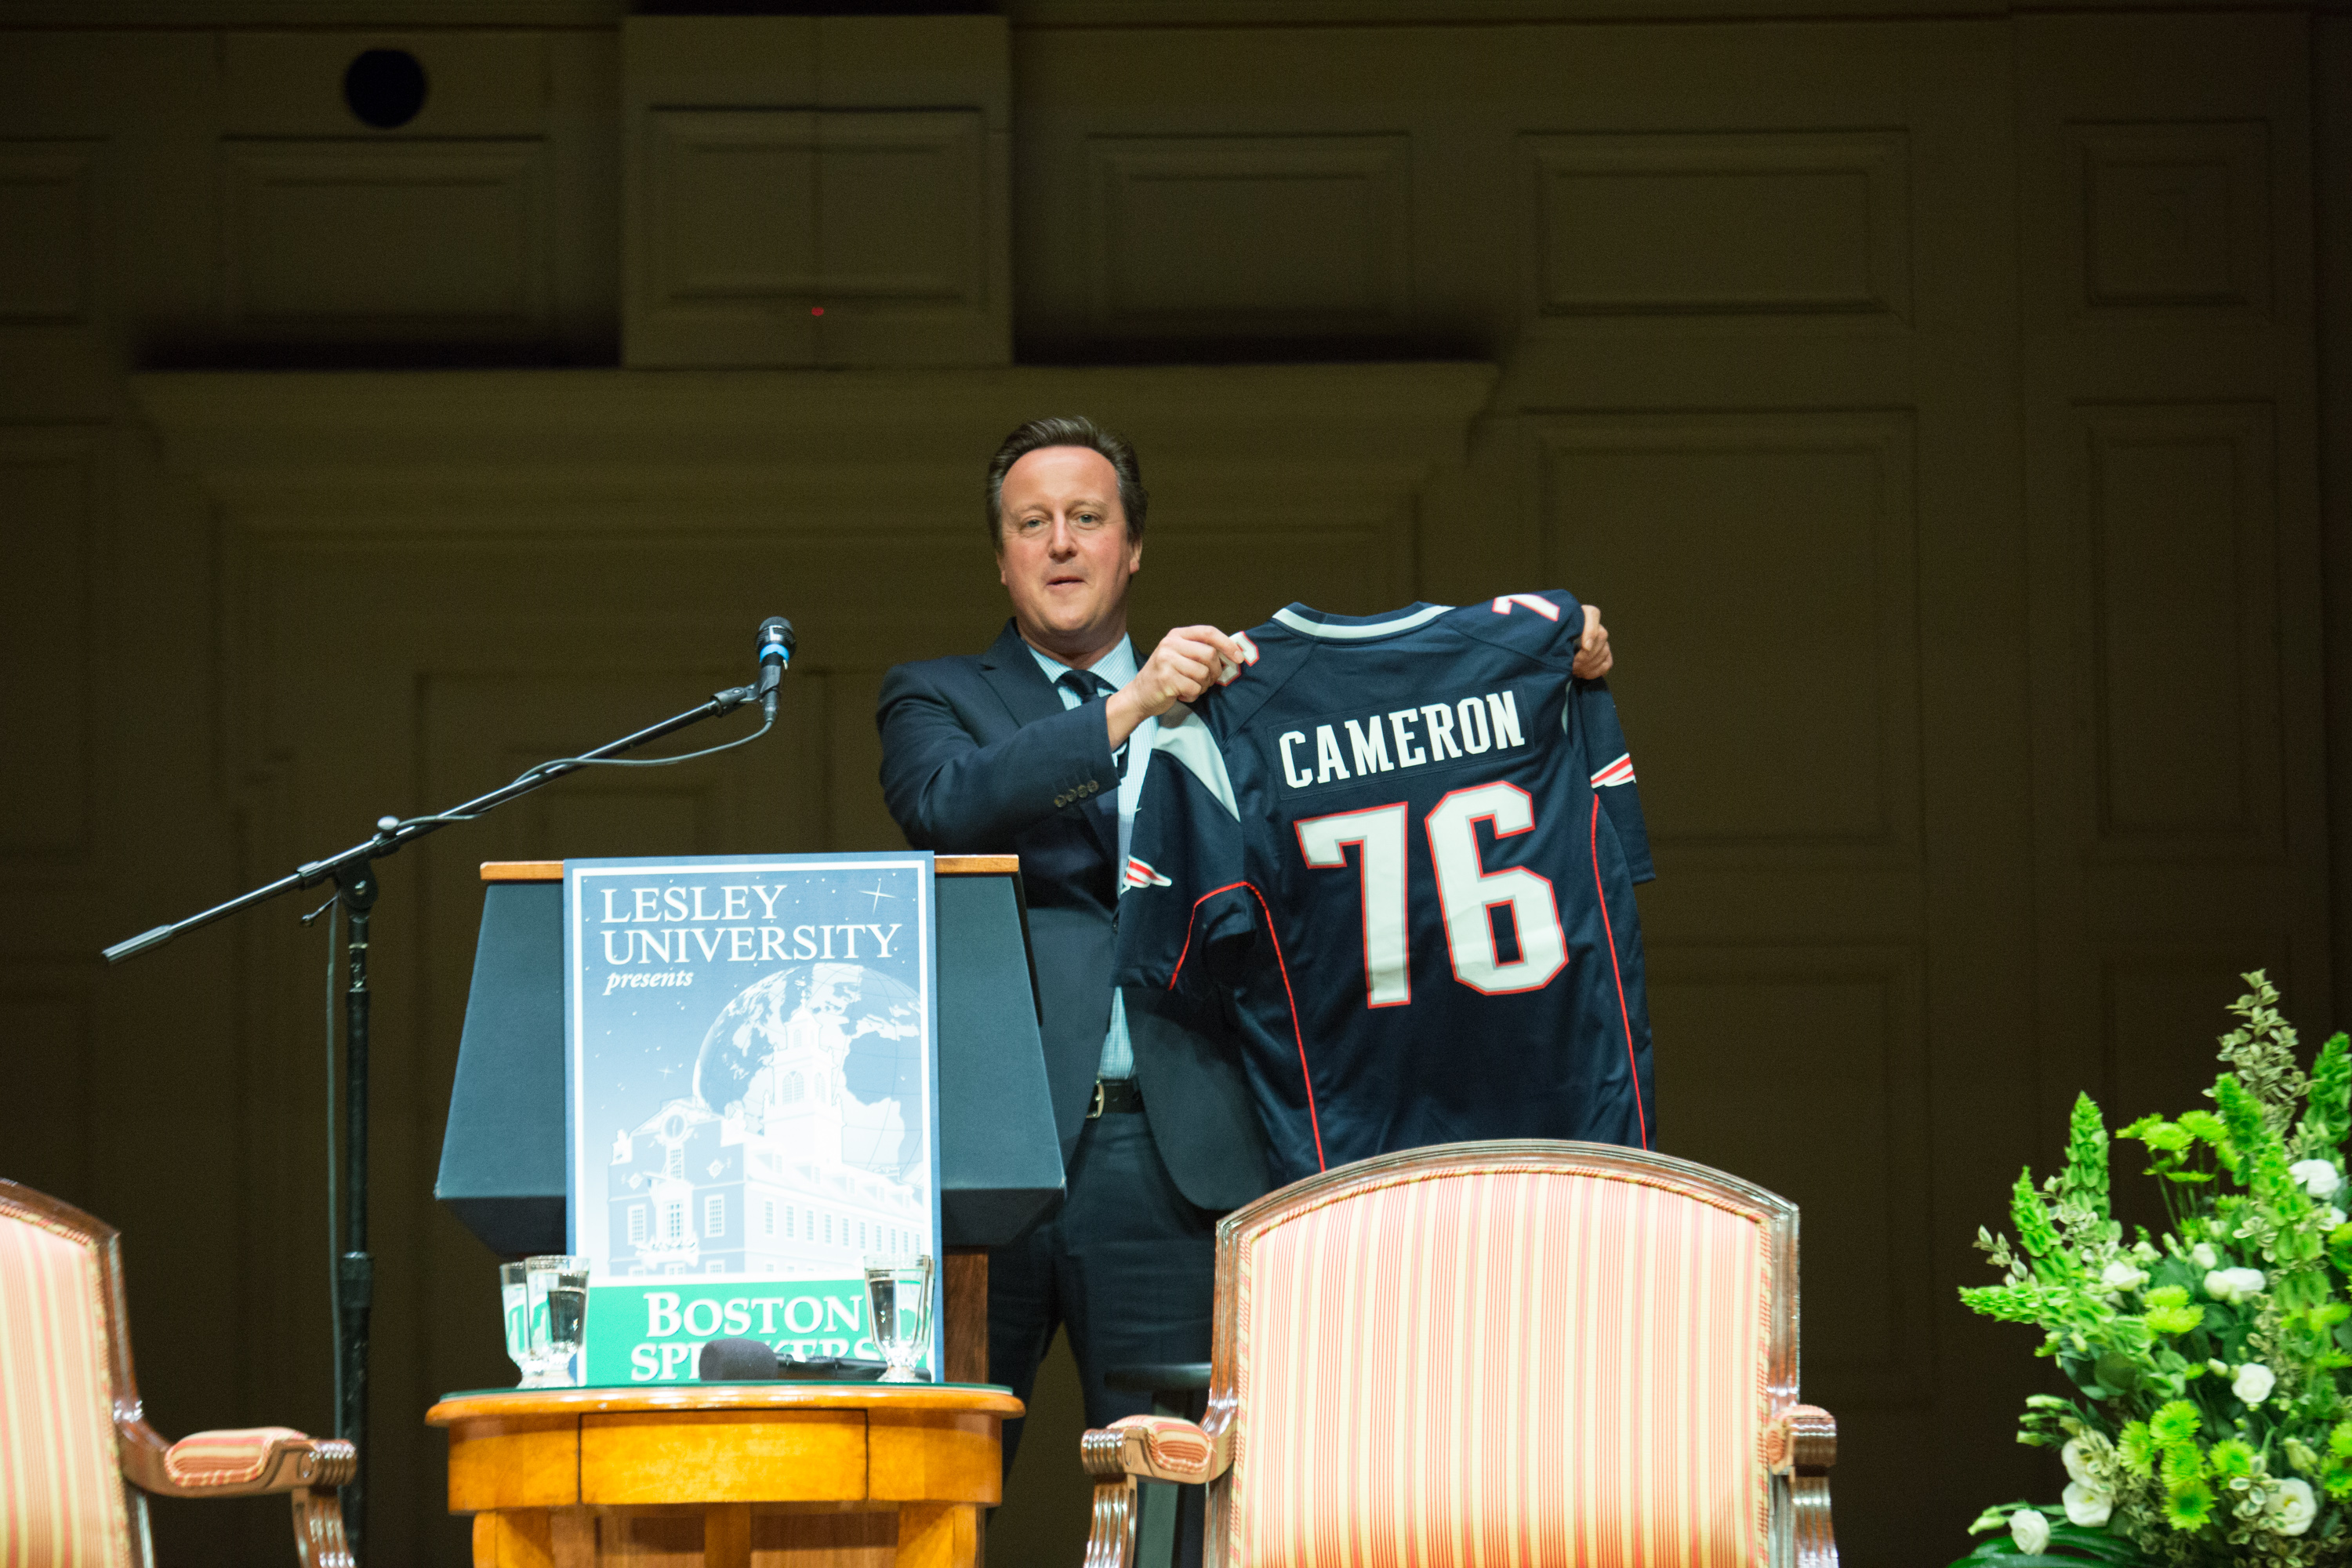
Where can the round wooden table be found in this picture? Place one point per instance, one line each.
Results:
(780, 1474)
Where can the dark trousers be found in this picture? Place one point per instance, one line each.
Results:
(1126, 1266)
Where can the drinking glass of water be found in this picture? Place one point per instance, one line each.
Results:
(557, 1287)
(899, 1288)
(514, 1297)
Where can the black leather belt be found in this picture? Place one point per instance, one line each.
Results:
(1115, 1095)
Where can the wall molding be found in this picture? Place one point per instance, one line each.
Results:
(665, 448)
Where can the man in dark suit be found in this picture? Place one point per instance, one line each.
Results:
(1035, 747)
(1023, 748)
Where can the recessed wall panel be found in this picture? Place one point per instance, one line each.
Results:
(2163, 1010)
(2182, 536)
(1251, 235)
(45, 1117)
(2175, 216)
(1760, 1052)
(401, 238)
(1769, 223)
(803, 192)
(1759, 571)
(49, 231)
(902, 210)
(48, 491)
(732, 206)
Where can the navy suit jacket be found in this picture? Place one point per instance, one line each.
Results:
(980, 757)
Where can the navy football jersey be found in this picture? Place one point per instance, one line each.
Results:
(1398, 854)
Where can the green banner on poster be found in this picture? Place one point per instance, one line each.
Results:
(652, 1331)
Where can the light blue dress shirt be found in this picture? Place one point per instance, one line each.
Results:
(1118, 668)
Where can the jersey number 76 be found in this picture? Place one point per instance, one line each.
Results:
(1466, 892)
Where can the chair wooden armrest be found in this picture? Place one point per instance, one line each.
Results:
(238, 1462)
(1801, 1444)
(1150, 1448)
(77, 1337)
(250, 1461)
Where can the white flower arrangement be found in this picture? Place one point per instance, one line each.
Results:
(2213, 1364)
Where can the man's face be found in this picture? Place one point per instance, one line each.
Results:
(1061, 549)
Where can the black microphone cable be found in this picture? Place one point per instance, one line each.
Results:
(774, 648)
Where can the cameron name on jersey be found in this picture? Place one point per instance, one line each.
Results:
(1325, 752)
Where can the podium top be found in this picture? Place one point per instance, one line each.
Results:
(944, 864)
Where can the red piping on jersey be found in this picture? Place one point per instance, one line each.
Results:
(1601, 895)
(1313, 1121)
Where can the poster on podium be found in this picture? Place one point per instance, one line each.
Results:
(751, 1099)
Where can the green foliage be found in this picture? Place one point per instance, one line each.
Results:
(2085, 1179)
(2214, 1362)
(2329, 1116)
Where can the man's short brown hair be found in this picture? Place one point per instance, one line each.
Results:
(1067, 431)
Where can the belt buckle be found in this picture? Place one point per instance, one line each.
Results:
(1094, 1111)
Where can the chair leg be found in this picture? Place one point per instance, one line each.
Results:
(318, 1529)
(1111, 1544)
(1809, 1498)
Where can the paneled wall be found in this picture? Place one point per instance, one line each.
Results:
(1935, 406)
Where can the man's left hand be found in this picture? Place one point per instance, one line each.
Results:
(1592, 655)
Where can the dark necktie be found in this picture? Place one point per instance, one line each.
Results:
(1089, 686)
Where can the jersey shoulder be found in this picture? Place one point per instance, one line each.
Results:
(1543, 625)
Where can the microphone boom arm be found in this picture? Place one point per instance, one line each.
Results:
(390, 841)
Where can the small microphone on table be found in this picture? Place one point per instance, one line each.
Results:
(736, 1360)
(775, 651)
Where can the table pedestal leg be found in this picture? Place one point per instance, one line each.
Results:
(938, 1534)
(536, 1538)
(726, 1535)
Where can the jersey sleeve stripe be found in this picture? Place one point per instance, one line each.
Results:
(1307, 1078)
(1534, 602)
(1620, 772)
(1625, 1015)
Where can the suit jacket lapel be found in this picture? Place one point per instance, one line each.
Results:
(1011, 670)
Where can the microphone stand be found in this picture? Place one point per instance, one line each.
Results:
(352, 871)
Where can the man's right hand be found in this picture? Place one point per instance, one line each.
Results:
(1186, 663)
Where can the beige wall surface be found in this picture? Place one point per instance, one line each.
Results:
(1946, 407)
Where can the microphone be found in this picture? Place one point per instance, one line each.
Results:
(776, 650)
(736, 1360)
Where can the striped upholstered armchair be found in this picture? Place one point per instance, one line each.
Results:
(1509, 1351)
(77, 1456)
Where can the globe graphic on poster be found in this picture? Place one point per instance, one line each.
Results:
(862, 1028)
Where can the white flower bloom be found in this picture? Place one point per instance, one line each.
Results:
(2333, 1215)
(2088, 1505)
(2291, 1515)
(2234, 1284)
(2320, 1178)
(2030, 1530)
(2254, 1383)
(2203, 1256)
(2121, 1275)
(2077, 1459)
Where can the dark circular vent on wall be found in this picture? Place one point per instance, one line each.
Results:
(385, 87)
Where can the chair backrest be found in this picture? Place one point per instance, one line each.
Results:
(1509, 1352)
(61, 1369)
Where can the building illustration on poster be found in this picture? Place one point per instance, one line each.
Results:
(774, 1166)
(752, 1068)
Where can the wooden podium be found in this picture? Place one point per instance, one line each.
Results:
(785, 1475)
